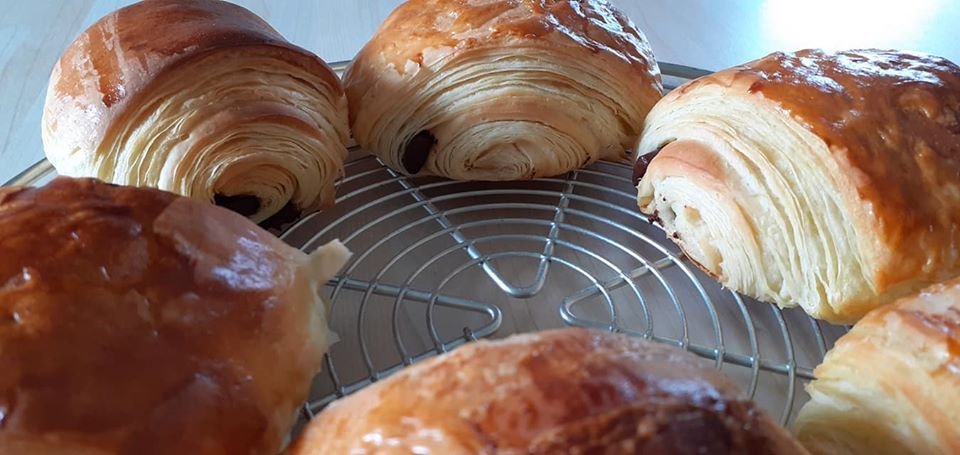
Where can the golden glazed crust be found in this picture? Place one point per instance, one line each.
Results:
(559, 391)
(136, 321)
(198, 97)
(859, 151)
(458, 25)
(891, 385)
(501, 89)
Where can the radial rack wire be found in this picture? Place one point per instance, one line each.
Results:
(438, 263)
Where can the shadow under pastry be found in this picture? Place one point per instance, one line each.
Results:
(248, 204)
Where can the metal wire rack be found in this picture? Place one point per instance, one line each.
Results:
(438, 263)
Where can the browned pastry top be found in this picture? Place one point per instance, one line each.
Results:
(934, 314)
(560, 391)
(891, 121)
(468, 23)
(125, 51)
(418, 26)
(136, 321)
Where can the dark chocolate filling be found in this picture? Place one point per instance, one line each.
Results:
(244, 204)
(642, 163)
(288, 214)
(247, 205)
(417, 150)
(655, 218)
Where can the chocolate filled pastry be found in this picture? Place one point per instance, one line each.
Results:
(135, 321)
(825, 180)
(201, 98)
(561, 391)
(892, 384)
(502, 89)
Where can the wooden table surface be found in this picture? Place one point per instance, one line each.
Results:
(709, 34)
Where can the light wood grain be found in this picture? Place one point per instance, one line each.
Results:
(702, 33)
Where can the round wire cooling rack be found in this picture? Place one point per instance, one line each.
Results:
(438, 263)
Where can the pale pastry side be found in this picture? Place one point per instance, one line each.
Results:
(892, 384)
(201, 98)
(825, 180)
(479, 90)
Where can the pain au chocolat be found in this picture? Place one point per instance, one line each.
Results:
(201, 98)
(553, 392)
(136, 321)
(829, 180)
(892, 384)
(501, 90)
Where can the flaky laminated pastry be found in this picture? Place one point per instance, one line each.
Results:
(892, 384)
(201, 98)
(825, 180)
(501, 90)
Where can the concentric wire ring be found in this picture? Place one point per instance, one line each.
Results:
(436, 264)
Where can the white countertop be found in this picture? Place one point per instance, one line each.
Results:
(710, 34)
